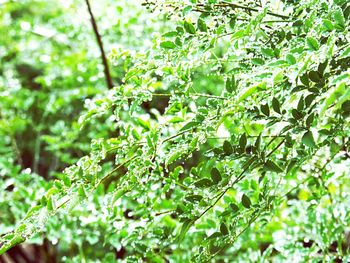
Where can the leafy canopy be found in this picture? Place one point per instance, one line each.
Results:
(232, 139)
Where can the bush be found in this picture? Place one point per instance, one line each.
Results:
(227, 139)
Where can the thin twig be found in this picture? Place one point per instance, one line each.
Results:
(247, 8)
(100, 45)
(191, 94)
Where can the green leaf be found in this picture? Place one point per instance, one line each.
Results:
(205, 182)
(276, 105)
(144, 123)
(66, 180)
(32, 211)
(239, 34)
(291, 165)
(265, 109)
(327, 24)
(272, 167)
(168, 45)
(300, 106)
(291, 59)
(17, 239)
(308, 139)
(223, 229)
(297, 114)
(312, 43)
(246, 201)
(339, 18)
(81, 192)
(189, 27)
(173, 157)
(258, 143)
(231, 84)
(248, 92)
(194, 198)
(50, 205)
(202, 25)
(227, 147)
(215, 175)
(268, 52)
(243, 141)
(258, 61)
(314, 76)
(189, 125)
(309, 119)
(185, 227)
(232, 22)
(171, 34)
(249, 162)
(234, 208)
(345, 53)
(305, 79)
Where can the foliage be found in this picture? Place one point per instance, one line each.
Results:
(225, 139)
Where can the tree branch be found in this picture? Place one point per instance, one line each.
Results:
(100, 45)
(246, 8)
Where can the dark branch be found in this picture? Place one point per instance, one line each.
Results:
(100, 44)
(247, 8)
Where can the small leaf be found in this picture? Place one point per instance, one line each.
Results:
(215, 175)
(205, 182)
(66, 180)
(243, 141)
(170, 34)
(246, 201)
(300, 106)
(202, 25)
(223, 229)
(276, 105)
(291, 59)
(168, 45)
(173, 157)
(345, 53)
(258, 143)
(309, 99)
(231, 84)
(248, 163)
(268, 52)
(232, 22)
(328, 25)
(239, 34)
(309, 119)
(185, 227)
(339, 18)
(272, 167)
(291, 165)
(81, 191)
(227, 147)
(189, 27)
(215, 235)
(43, 201)
(305, 79)
(189, 125)
(312, 43)
(265, 109)
(49, 205)
(194, 198)
(308, 139)
(297, 114)
(314, 76)
(322, 67)
(234, 207)
(258, 61)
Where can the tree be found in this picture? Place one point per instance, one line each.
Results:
(232, 139)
